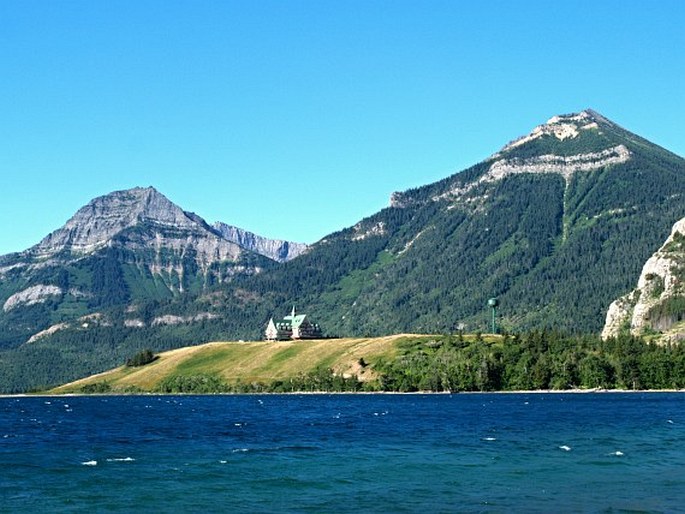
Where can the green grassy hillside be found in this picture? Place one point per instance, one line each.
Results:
(248, 363)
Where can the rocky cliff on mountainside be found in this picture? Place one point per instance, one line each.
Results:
(138, 219)
(657, 304)
(276, 249)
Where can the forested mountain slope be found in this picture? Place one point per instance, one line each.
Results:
(556, 225)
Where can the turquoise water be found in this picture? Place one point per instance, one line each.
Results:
(607, 452)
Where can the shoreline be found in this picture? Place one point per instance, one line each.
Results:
(362, 393)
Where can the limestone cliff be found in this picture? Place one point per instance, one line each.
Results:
(138, 219)
(657, 304)
(275, 249)
(565, 145)
(94, 225)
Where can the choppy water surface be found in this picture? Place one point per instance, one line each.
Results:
(344, 453)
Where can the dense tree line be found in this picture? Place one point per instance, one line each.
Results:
(108, 284)
(532, 361)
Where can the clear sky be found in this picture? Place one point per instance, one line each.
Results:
(293, 118)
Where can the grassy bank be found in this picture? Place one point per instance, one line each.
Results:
(247, 363)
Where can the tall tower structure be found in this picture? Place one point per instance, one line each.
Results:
(493, 303)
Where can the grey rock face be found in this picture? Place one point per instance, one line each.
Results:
(30, 296)
(138, 219)
(95, 224)
(660, 280)
(166, 227)
(275, 249)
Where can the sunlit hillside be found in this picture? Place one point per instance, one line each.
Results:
(249, 362)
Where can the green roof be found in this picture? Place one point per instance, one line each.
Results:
(295, 321)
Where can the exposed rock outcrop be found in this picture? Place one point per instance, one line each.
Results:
(97, 223)
(170, 319)
(565, 166)
(654, 303)
(31, 296)
(139, 219)
(47, 332)
(275, 249)
(509, 160)
(362, 230)
(563, 126)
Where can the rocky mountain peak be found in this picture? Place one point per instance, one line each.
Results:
(158, 223)
(565, 145)
(95, 224)
(561, 127)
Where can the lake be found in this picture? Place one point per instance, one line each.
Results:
(538, 452)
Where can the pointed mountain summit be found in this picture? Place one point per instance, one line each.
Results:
(584, 127)
(98, 223)
(144, 228)
(142, 218)
(565, 145)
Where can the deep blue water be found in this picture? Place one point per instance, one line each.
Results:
(607, 452)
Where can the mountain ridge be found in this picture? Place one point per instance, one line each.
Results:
(558, 129)
(278, 250)
(96, 224)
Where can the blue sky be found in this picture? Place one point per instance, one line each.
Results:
(294, 119)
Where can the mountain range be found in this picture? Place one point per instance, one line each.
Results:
(556, 225)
